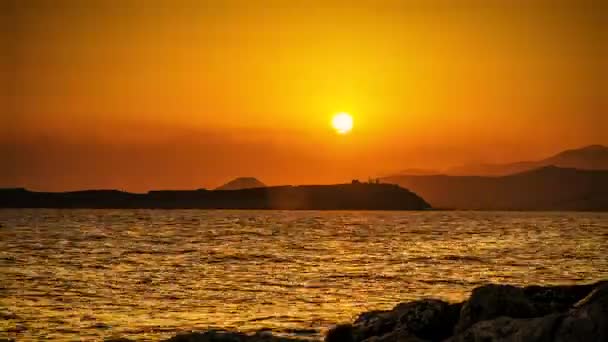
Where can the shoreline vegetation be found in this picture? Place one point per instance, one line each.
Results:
(354, 196)
(492, 313)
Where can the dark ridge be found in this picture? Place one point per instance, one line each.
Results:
(242, 183)
(592, 157)
(546, 188)
(356, 196)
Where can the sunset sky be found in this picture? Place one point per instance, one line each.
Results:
(138, 95)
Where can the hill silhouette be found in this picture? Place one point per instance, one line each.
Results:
(356, 196)
(242, 183)
(546, 188)
(593, 157)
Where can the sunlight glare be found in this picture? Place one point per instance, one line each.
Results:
(342, 123)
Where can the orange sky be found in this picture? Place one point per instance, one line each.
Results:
(185, 94)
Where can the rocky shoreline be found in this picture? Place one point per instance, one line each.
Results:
(492, 313)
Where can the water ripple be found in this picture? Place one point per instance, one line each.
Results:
(146, 274)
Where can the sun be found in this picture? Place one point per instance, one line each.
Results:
(342, 123)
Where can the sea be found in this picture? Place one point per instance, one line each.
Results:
(149, 274)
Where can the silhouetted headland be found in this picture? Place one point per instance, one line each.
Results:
(546, 188)
(355, 196)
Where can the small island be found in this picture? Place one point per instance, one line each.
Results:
(353, 196)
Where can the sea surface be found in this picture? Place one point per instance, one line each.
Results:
(147, 274)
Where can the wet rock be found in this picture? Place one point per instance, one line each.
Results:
(587, 321)
(397, 335)
(494, 313)
(492, 301)
(301, 332)
(428, 319)
(552, 299)
(264, 333)
(366, 316)
(340, 333)
(225, 336)
(376, 323)
(503, 329)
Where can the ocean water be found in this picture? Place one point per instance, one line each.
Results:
(147, 274)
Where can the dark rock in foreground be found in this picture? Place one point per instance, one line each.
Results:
(223, 336)
(220, 336)
(493, 313)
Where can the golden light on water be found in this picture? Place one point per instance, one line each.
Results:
(342, 123)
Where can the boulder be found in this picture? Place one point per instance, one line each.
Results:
(340, 333)
(226, 336)
(586, 321)
(492, 301)
(505, 329)
(376, 323)
(397, 335)
(552, 299)
(428, 319)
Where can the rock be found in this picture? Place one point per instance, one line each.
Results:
(397, 335)
(587, 321)
(551, 299)
(375, 323)
(494, 313)
(300, 332)
(504, 329)
(492, 301)
(225, 336)
(263, 333)
(340, 333)
(429, 319)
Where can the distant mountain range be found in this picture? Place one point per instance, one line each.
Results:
(242, 183)
(594, 157)
(545, 188)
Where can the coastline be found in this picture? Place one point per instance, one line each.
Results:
(355, 196)
(492, 313)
